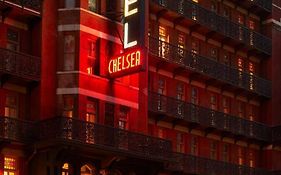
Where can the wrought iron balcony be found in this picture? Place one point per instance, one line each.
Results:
(107, 138)
(15, 130)
(198, 165)
(30, 4)
(20, 65)
(209, 67)
(265, 4)
(208, 118)
(219, 24)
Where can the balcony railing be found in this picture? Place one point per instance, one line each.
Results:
(198, 165)
(108, 138)
(30, 4)
(16, 130)
(218, 23)
(209, 67)
(19, 64)
(207, 117)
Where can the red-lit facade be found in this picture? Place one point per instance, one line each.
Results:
(195, 91)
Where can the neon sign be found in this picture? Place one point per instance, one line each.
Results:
(129, 15)
(127, 63)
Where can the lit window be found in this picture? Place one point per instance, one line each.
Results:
(194, 53)
(226, 105)
(123, 117)
(240, 65)
(87, 170)
(241, 22)
(65, 169)
(68, 106)
(252, 27)
(9, 166)
(163, 42)
(161, 133)
(251, 79)
(251, 159)
(240, 156)
(11, 106)
(91, 56)
(181, 44)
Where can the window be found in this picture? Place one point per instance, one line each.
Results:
(65, 169)
(214, 53)
(93, 59)
(180, 143)
(240, 65)
(213, 150)
(68, 105)
(13, 38)
(194, 10)
(181, 7)
(241, 109)
(180, 98)
(91, 111)
(240, 156)
(194, 53)
(226, 12)
(214, 7)
(194, 146)
(241, 21)
(11, 106)
(194, 96)
(87, 170)
(226, 105)
(123, 117)
(161, 133)
(252, 27)
(91, 117)
(251, 78)
(225, 153)
(163, 42)
(226, 59)
(10, 166)
(161, 92)
(109, 114)
(181, 44)
(69, 52)
(213, 102)
(251, 159)
(69, 3)
(93, 5)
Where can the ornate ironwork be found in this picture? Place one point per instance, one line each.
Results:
(217, 23)
(198, 165)
(73, 130)
(207, 117)
(209, 67)
(31, 4)
(19, 64)
(12, 129)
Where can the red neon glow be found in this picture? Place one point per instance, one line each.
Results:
(127, 63)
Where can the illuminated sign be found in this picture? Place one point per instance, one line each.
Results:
(131, 18)
(127, 63)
